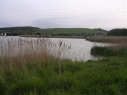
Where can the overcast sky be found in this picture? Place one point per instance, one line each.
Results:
(106, 14)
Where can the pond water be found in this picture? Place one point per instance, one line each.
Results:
(79, 48)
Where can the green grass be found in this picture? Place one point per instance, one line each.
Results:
(103, 77)
(69, 30)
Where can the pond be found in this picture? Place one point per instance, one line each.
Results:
(79, 49)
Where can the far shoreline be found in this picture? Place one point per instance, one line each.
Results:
(37, 36)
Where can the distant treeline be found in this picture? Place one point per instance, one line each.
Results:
(117, 32)
(14, 31)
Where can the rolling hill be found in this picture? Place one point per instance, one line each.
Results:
(35, 30)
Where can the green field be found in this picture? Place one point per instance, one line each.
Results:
(69, 30)
(14, 31)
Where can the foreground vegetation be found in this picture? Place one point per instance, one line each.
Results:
(104, 77)
(34, 71)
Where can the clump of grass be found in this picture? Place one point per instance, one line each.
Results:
(107, 51)
(27, 85)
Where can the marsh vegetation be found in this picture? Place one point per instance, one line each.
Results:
(34, 71)
(118, 45)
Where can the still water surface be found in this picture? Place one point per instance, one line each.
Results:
(79, 51)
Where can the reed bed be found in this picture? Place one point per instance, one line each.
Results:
(21, 58)
(121, 40)
(20, 52)
(116, 41)
(118, 45)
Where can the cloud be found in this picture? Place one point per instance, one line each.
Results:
(82, 21)
(54, 22)
(7, 23)
(64, 13)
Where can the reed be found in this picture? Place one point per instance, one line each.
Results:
(118, 45)
(19, 58)
(21, 52)
(122, 41)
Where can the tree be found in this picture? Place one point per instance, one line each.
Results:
(117, 32)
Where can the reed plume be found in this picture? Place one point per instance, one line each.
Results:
(23, 51)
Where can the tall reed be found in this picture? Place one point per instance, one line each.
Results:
(121, 40)
(21, 52)
(26, 58)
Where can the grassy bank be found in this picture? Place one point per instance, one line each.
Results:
(35, 72)
(104, 77)
(37, 36)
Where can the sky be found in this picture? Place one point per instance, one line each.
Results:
(105, 14)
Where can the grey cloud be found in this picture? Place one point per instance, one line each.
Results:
(63, 13)
(7, 24)
(56, 22)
